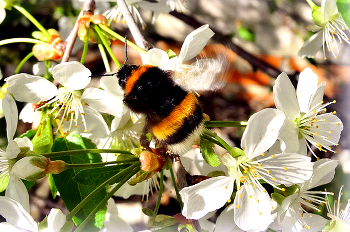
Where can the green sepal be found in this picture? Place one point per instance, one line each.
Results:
(278, 198)
(162, 222)
(148, 212)
(207, 150)
(142, 175)
(344, 10)
(216, 173)
(29, 134)
(40, 36)
(68, 226)
(149, 137)
(171, 53)
(317, 16)
(236, 152)
(4, 181)
(186, 228)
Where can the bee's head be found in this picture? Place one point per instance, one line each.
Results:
(124, 73)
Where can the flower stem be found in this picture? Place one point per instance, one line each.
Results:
(25, 59)
(101, 164)
(108, 48)
(83, 151)
(176, 188)
(86, 44)
(132, 170)
(121, 38)
(160, 192)
(104, 57)
(225, 124)
(20, 40)
(32, 19)
(311, 3)
(220, 140)
(208, 137)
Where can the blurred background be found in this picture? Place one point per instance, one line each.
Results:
(266, 34)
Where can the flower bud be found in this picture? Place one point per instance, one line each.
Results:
(151, 161)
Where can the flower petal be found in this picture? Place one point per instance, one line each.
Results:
(328, 9)
(11, 115)
(195, 42)
(225, 222)
(311, 46)
(29, 88)
(307, 86)
(289, 135)
(156, 57)
(318, 95)
(23, 168)
(24, 142)
(16, 215)
(112, 221)
(285, 97)
(111, 85)
(252, 209)
(2, 14)
(102, 101)
(206, 196)
(55, 220)
(12, 150)
(18, 192)
(72, 75)
(261, 132)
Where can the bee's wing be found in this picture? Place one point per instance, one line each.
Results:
(204, 74)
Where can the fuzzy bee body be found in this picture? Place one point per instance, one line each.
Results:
(173, 114)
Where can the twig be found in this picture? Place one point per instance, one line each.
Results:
(135, 31)
(225, 39)
(89, 6)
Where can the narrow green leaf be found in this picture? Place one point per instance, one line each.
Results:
(52, 186)
(344, 10)
(71, 191)
(206, 148)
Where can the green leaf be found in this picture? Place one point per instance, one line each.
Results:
(4, 181)
(29, 134)
(206, 148)
(52, 186)
(162, 221)
(95, 176)
(278, 198)
(344, 10)
(42, 141)
(71, 191)
(148, 212)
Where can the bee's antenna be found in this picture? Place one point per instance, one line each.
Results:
(126, 50)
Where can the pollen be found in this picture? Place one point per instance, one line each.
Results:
(260, 213)
(330, 132)
(250, 196)
(285, 168)
(238, 206)
(257, 201)
(268, 172)
(226, 187)
(240, 195)
(273, 178)
(263, 154)
(283, 189)
(273, 156)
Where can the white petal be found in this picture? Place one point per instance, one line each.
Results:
(318, 95)
(24, 142)
(16, 215)
(11, 115)
(4, 226)
(156, 57)
(55, 220)
(102, 101)
(307, 86)
(39, 68)
(28, 114)
(206, 196)
(2, 14)
(328, 9)
(324, 171)
(23, 168)
(12, 150)
(111, 85)
(225, 222)
(195, 42)
(285, 97)
(127, 190)
(29, 88)
(72, 75)
(262, 131)
(329, 125)
(251, 214)
(289, 133)
(113, 223)
(18, 192)
(288, 168)
(311, 46)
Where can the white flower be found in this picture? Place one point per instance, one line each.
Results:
(291, 207)
(306, 117)
(340, 218)
(252, 205)
(112, 222)
(177, 5)
(18, 219)
(2, 14)
(329, 27)
(15, 188)
(69, 98)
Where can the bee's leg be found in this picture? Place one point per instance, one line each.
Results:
(143, 138)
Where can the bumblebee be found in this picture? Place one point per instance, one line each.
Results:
(174, 116)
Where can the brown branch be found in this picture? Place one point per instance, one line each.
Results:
(135, 31)
(89, 6)
(256, 62)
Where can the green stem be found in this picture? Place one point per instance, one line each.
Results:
(132, 171)
(32, 19)
(86, 45)
(101, 164)
(208, 137)
(225, 124)
(83, 151)
(176, 188)
(108, 48)
(160, 192)
(101, 186)
(25, 59)
(220, 140)
(20, 40)
(121, 38)
(104, 57)
(311, 3)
